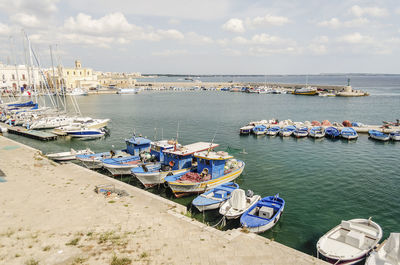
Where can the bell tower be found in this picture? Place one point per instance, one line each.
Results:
(78, 64)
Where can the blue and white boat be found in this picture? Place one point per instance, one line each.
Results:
(260, 129)
(395, 136)
(377, 135)
(317, 132)
(86, 133)
(123, 165)
(213, 169)
(273, 131)
(332, 132)
(245, 130)
(287, 131)
(300, 132)
(213, 198)
(176, 160)
(264, 214)
(349, 133)
(93, 161)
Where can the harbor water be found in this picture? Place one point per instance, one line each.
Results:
(322, 181)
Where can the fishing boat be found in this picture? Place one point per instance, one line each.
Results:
(332, 132)
(395, 136)
(238, 203)
(377, 135)
(93, 161)
(123, 165)
(246, 129)
(213, 169)
(273, 131)
(173, 161)
(349, 133)
(308, 91)
(287, 131)
(317, 132)
(350, 241)
(259, 129)
(70, 155)
(77, 92)
(387, 253)
(214, 198)
(300, 132)
(264, 214)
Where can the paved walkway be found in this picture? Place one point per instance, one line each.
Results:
(49, 213)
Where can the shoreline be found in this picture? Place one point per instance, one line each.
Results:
(47, 205)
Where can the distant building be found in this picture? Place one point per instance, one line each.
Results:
(117, 80)
(12, 77)
(79, 77)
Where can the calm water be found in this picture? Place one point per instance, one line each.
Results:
(322, 181)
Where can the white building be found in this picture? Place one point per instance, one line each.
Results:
(12, 77)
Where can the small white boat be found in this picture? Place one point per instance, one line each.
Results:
(86, 133)
(349, 133)
(395, 136)
(300, 132)
(246, 129)
(350, 241)
(317, 132)
(238, 203)
(377, 135)
(77, 92)
(71, 155)
(273, 131)
(387, 253)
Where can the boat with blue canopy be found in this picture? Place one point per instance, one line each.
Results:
(123, 165)
(264, 214)
(213, 169)
(176, 160)
(273, 131)
(332, 132)
(317, 132)
(287, 131)
(260, 129)
(395, 136)
(213, 198)
(377, 135)
(300, 132)
(349, 133)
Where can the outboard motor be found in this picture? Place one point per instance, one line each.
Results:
(249, 193)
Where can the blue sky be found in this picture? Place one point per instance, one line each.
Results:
(210, 37)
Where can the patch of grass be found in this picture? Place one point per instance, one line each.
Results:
(46, 248)
(89, 234)
(17, 255)
(202, 239)
(111, 201)
(126, 205)
(73, 242)
(32, 262)
(79, 260)
(120, 261)
(188, 214)
(30, 246)
(144, 255)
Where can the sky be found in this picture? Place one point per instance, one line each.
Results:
(208, 36)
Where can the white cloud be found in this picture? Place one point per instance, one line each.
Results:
(26, 20)
(371, 11)
(174, 21)
(4, 30)
(234, 25)
(260, 39)
(223, 42)
(41, 8)
(231, 52)
(198, 39)
(168, 53)
(170, 34)
(111, 23)
(356, 38)
(267, 20)
(261, 51)
(318, 49)
(336, 23)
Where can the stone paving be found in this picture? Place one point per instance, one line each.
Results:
(50, 214)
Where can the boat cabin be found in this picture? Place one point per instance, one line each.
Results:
(212, 163)
(136, 145)
(157, 148)
(182, 157)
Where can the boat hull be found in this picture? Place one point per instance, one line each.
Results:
(395, 137)
(272, 133)
(213, 206)
(378, 138)
(151, 179)
(184, 189)
(263, 228)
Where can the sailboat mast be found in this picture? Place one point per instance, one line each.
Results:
(15, 63)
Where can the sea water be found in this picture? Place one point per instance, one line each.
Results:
(322, 181)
